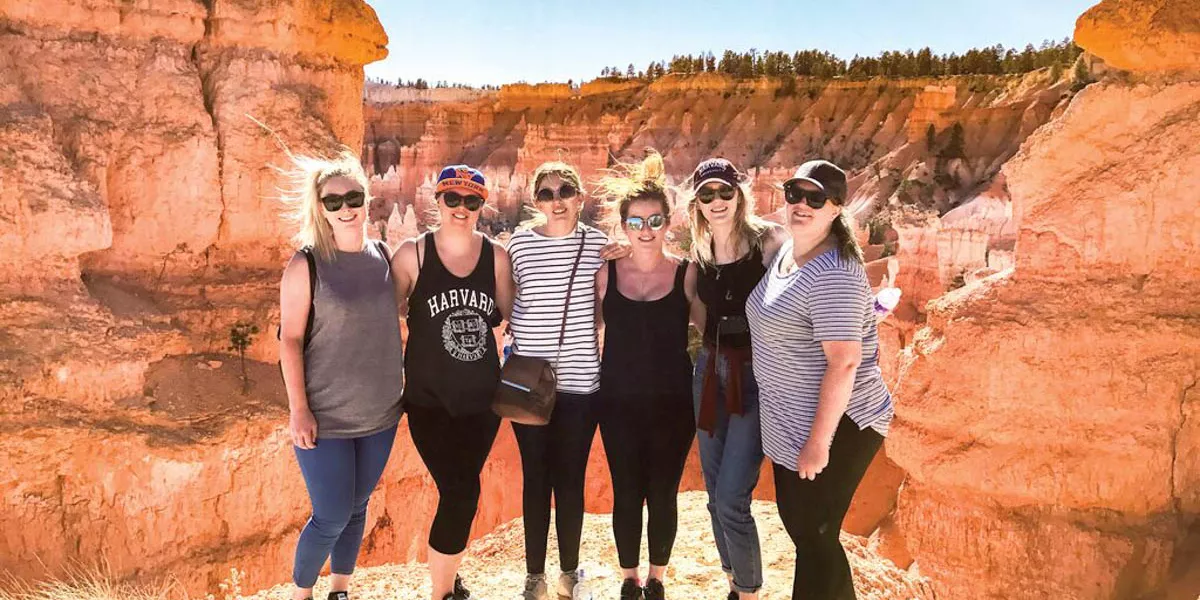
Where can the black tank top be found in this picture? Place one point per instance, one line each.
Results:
(452, 361)
(724, 290)
(645, 346)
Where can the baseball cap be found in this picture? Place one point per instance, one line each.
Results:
(716, 169)
(462, 178)
(823, 174)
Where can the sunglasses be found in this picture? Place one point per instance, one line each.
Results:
(654, 222)
(566, 192)
(707, 194)
(471, 201)
(794, 194)
(353, 199)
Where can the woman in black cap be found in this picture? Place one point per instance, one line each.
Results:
(456, 284)
(731, 248)
(825, 409)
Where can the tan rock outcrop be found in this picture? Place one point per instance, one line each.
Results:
(1145, 36)
(1044, 414)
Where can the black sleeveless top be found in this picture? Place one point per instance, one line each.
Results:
(452, 361)
(724, 290)
(645, 347)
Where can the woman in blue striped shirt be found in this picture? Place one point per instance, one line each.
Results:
(824, 407)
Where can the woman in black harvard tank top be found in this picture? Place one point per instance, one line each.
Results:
(456, 285)
(645, 374)
(730, 252)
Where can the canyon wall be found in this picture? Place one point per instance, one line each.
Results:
(1047, 415)
(139, 223)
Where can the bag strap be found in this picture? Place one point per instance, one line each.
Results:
(312, 291)
(562, 327)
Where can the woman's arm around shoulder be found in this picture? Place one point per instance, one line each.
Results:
(505, 287)
(696, 309)
(405, 271)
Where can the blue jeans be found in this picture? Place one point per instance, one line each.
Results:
(340, 475)
(731, 459)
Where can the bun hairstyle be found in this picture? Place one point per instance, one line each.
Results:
(302, 196)
(627, 183)
(565, 172)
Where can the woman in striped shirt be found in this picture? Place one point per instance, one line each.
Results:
(825, 409)
(554, 457)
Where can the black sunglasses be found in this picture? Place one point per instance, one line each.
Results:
(566, 192)
(794, 194)
(353, 199)
(654, 222)
(471, 201)
(707, 194)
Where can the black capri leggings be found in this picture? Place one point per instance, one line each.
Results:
(454, 450)
(646, 453)
(812, 512)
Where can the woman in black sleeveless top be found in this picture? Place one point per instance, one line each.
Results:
(645, 374)
(731, 248)
(456, 285)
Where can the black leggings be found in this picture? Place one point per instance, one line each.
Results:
(454, 450)
(554, 461)
(812, 513)
(646, 454)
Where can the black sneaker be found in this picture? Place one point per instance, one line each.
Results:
(339, 596)
(732, 596)
(630, 590)
(460, 591)
(654, 590)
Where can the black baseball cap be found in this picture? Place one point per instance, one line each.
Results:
(716, 169)
(827, 176)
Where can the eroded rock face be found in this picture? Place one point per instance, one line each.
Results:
(1045, 414)
(1145, 36)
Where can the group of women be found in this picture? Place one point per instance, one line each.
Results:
(788, 367)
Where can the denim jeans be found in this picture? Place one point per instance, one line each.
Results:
(340, 475)
(731, 458)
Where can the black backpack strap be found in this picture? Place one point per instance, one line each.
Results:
(312, 291)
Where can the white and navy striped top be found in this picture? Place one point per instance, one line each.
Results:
(826, 299)
(542, 266)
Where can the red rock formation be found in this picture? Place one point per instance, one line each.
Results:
(1047, 415)
(1161, 36)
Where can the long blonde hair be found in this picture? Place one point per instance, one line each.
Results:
(747, 225)
(564, 172)
(302, 197)
(626, 183)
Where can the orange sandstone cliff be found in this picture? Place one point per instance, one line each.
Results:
(1047, 415)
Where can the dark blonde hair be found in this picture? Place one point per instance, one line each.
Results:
(302, 196)
(843, 229)
(627, 183)
(564, 172)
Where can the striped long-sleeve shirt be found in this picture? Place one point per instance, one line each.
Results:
(542, 267)
(826, 299)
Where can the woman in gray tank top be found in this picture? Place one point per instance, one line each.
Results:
(340, 355)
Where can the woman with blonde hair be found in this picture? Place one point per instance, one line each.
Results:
(645, 392)
(825, 407)
(456, 286)
(731, 247)
(555, 258)
(340, 355)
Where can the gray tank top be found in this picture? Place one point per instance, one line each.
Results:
(353, 369)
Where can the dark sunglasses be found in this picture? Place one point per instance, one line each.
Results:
(353, 199)
(654, 222)
(794, 194)
(471, 201)
(707, 194)
(566, 192)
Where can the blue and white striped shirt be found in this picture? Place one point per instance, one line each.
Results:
(827, 299)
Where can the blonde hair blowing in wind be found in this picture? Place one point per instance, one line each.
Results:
(626, 183)
(301, 196)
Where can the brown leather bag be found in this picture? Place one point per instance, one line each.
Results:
(528, 385)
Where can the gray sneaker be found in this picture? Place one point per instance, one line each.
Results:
(572, 585)
(535, 588)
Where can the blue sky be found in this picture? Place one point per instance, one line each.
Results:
(504, 41)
